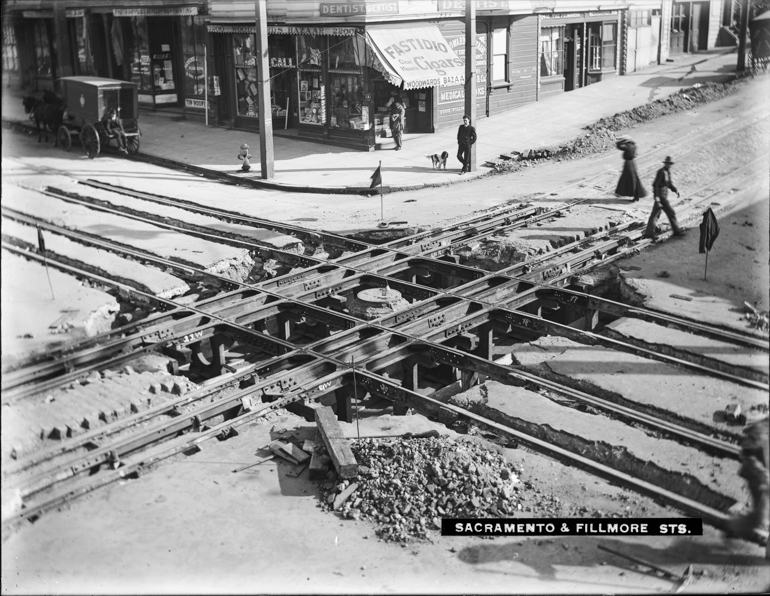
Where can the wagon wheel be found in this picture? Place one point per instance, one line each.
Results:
(132, 144)
(65, 138)
(90, 140)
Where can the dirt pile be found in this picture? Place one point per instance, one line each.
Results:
(601, 137)
(408, 485)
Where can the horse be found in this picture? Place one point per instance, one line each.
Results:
(50, 115)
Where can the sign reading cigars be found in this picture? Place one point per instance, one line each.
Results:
(419, 55)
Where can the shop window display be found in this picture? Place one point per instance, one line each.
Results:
(246, 75)
(312, 92)
(140, 65)
(193, 36)
(347, 56)
(282, 64)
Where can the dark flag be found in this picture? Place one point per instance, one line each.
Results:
(376, 177)
(40, 241)
(709, 230)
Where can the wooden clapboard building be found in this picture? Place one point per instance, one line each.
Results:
(155, 43)
(335, 63)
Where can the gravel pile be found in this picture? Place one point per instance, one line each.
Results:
(601, 137)
(407, 485)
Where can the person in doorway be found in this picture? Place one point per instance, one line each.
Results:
(466, 137)
(114, 128)
(754, 469)
(397, 120)
(629, 184)
(660, 190)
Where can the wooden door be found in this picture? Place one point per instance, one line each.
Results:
(223, 69)
(679, 28)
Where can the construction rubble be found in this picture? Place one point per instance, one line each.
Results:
(407, 485)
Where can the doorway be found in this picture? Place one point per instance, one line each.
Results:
(573, 51)
(699, 25)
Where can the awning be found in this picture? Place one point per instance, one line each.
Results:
(419, 57)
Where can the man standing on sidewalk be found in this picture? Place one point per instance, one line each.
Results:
(397, 120)
(466, 137)
(660, 189)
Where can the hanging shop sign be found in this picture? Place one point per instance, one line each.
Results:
(180, 11)
(357, 9)
(197, 104)
(284, 30)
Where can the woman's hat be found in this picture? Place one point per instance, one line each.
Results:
(625, 139)
(668, 161)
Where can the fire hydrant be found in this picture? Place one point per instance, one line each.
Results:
(245, 156)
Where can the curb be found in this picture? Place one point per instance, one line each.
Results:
(164, 162)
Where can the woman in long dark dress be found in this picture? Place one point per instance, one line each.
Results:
(629, 184)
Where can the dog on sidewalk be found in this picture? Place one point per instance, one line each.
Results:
(438, 160)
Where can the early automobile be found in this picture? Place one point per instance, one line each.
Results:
(89, 102)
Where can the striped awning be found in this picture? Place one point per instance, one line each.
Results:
(418, 57)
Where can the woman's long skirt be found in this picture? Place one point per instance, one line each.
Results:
(629, 184)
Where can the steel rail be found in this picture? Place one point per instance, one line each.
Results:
(250, 244)
(475, 272)
(315, 236)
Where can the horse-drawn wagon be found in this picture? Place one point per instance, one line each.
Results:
(89, 102)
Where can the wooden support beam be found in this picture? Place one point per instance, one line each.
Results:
(336, 444)
(344, 404)
(486, 346)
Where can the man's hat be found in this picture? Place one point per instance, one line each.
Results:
(668, 160)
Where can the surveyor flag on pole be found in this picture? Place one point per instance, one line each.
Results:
(40, 241)
(709, 230)
(376, 177)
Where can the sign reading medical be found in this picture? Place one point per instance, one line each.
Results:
(418, 55)
(357, 9)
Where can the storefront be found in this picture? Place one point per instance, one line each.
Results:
(577, 49)
(164, 50)
(333, 84)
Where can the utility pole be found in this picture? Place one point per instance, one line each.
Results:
(470, 69)
(744, 34)
(266, 155)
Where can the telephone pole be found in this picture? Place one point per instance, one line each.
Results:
(470, 70)
(744, 34)
(266, 155)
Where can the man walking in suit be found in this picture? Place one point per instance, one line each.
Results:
(660, 189)
(466, 137)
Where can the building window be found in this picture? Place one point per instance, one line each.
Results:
(347, 57)
(312, 91)
(677, 18)
(193, 36)
(140, 64)
(246, 91)
(500, 55)
(602, 43)
(609, 45)
(42, 49)
(552, 51)
(639, 18)
(10, 57)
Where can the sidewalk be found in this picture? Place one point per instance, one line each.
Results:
(306, 166)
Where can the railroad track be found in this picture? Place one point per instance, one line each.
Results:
(303, 345)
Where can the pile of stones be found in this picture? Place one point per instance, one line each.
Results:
(406, 486)
(600, 136)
